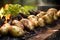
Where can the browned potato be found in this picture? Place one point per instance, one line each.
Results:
(55, 17)
(33, 19)
(42, 13)
(5, 28)
(28, 24)
(47, 19)
(52, 9)
(16, 31)
(52, 12)
(41, 22)
(58, 13)
(17, 23)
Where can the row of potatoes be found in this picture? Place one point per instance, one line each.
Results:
(17, 29)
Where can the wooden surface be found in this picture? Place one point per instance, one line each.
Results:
(50, 31)
(40, 34)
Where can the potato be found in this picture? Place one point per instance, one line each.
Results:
(5, 28)
(42, 13)
(47, 19)
(16, 31)
(58, 13)
(33, 19)
(17, 23)
(53, 12)
(28, 24)
(52, 9)
(41, 22)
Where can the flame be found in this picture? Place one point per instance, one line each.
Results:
(1, 11)
(8, 16)
(6, 6)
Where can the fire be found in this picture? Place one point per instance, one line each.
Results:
(8, 16)
(1, 11)
(6, 6)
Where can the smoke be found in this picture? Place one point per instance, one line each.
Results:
(45, 3)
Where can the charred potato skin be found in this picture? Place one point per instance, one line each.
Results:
(28, 24)
(42, 13)
(47, 19)
(33, 19)
(5, 29)
(52, 12)
(17, 23)
(41, 22)
(17, 31)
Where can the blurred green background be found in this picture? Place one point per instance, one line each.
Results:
(22, 2)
